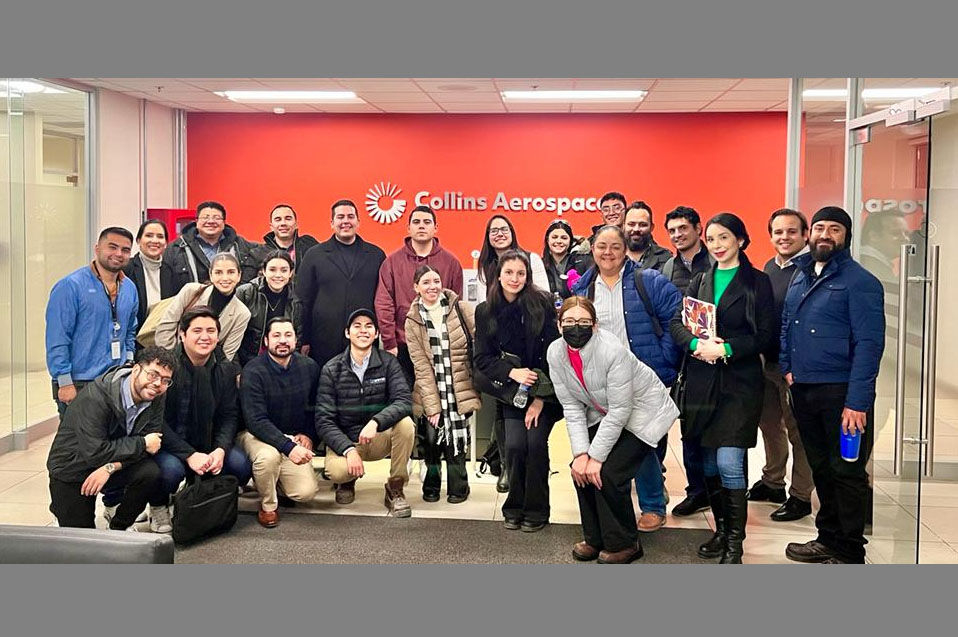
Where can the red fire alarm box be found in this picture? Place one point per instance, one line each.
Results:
(175, 219)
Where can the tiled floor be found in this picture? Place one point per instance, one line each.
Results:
(24, 499)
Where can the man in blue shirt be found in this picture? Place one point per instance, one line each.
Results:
(91, 318)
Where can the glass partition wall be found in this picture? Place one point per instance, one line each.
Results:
(44, 235)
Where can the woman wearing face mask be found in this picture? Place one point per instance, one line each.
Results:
(218, 294)
(559, 258)
(723, 395)
(152, 276)
(616, 409)
(514, 328)
(267, 296)
(439, 329)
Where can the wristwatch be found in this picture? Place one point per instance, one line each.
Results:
(110, 468)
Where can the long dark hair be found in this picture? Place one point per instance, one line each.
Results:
(746, 273)
(556, 225)
(533, 302)
(488, 258)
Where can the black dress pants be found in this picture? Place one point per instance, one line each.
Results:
(842, 486)
(527, 456)
(608, 517)
(73, 509)
(457, 481)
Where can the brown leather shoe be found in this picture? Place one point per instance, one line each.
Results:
(650, 522)
(346, 492)
(395, 499)
(269, 519)
(584, 552)
(625, 556)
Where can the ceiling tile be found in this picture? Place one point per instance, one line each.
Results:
(615, 84)
(754, 96)
(140, 84)
(223, 84)
(410, 108)
(290, 108)
(457, 107)
(737, 106)
(530, 84)
(375, 97)
(695, 84)
(672, 106)
(393, 85)
(680, 96)
(540, 108)
(603, 108)
(347, 108)
(229, 107)
(762, 84)
(300, 85)
(473, 98)
(750, 104)
(437, 85)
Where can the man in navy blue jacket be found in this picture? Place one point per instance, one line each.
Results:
(833, 334)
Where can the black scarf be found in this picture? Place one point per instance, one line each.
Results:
(199, 382)
(218, 300)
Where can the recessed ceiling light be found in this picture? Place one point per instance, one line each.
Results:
(23, 87)
(291, 97)
(839, 94)
(574, 96)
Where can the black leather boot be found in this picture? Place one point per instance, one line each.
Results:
(736, 515)
(715, 546)
(499, 438)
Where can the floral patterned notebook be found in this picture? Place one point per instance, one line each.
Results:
(699, 317)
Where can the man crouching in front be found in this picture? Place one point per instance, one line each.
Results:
(363, 413)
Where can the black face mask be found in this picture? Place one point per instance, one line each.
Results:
(576, 335)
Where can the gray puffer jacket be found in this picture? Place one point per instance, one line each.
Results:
(625, 388)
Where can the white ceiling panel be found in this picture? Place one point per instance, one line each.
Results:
(224, 84)
(457, 85)
(672, 106)
(291, 108)
(538, 108)
(347, 108)
(695, 84)
(530, 84)
(229, 107)
(602, 108)
(615, 84)
(411, 108)
(457, 107)
(740, 106)
(365, 84)
(471, 98)
(754, 96)
(762, 84)
(405, 98)
(680, 96)
(140, 84)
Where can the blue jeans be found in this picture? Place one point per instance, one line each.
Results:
(650, 485)
(173, 470)
(728, 463)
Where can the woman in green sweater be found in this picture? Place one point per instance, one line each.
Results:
(724, 386)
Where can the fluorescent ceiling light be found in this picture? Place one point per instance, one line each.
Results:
(573, 96)
(839, 94)
(24, 87)
(291, 97)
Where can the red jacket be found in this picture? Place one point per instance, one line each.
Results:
(395, 292)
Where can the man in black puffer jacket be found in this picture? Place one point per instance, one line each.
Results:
(364, 413)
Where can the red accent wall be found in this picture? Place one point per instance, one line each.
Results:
(712, 162)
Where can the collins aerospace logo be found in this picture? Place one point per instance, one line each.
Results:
(383, 204)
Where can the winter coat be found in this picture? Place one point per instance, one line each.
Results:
(395, 292)
(661, 354)
(134, 271)
(679, 275)
(833, 328)
(93, 430)
(329, 294)
(190, 264)
(344, 405)
(253, 296)
(301, 244)
(233, 319)
(723, 401)
(425, 393)
(557, 282)
(627, 389)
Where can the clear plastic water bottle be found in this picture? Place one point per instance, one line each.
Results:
(522, 396)
(557, 299)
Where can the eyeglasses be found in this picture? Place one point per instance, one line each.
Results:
(152, 377)
(617, 207)
(215, 219)
(579, 323)
(494, 231)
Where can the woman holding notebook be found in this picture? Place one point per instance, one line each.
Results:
(723, 394)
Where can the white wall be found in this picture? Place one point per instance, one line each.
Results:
(121, 159)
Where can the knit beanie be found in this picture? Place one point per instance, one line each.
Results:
(836, 214)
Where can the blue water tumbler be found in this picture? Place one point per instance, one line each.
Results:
(851, 444)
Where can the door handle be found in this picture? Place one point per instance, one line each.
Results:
(907, 249)
(930, 354)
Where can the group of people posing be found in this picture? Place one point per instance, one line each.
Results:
(214, 354)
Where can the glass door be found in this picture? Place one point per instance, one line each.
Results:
(892, 225)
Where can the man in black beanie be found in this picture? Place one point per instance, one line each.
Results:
(833, 335)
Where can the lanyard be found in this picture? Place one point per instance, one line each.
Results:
(110, 300)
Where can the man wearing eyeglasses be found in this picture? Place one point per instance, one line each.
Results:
(190, 254)
(109, 435)
(612, 208)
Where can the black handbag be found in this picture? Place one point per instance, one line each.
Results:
(205, 507)
(677, 391)
(503, 392)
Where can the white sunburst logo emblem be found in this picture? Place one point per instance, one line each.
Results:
(383, 204)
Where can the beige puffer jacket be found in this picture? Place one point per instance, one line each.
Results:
(425, 393)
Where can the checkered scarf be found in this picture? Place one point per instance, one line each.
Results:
(455, 428)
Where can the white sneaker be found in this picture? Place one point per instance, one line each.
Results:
(160, 521)
(109, 513)
(132, 529)
(141, 517)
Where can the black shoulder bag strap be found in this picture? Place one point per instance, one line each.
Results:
(647, 302)
(668, 268)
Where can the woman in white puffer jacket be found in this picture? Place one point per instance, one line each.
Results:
(616, 411)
